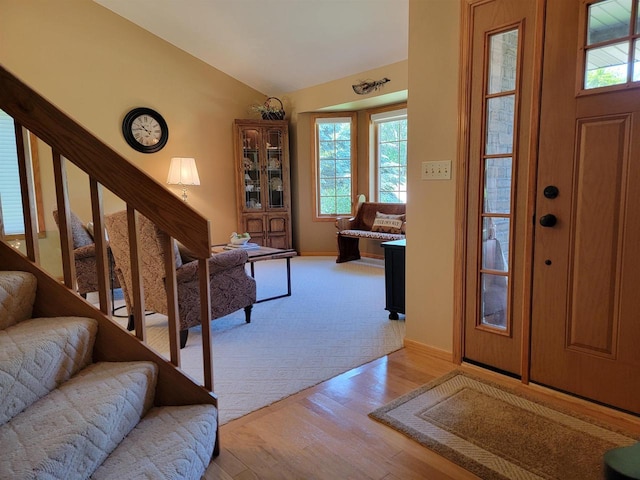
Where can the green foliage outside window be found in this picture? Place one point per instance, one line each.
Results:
(392, 161)
(603, 77)
(334, 149)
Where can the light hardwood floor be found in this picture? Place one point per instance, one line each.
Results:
(324, 432)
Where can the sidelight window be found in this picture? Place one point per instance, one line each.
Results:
(497, 177)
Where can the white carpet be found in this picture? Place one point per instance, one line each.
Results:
(334, 321)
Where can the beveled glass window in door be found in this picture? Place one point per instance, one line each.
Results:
(497, 179)
(612, 48)
(251, 167)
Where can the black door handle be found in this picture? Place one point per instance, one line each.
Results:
(551, 191)
(548, 220)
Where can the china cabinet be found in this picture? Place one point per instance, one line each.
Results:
(261, 150)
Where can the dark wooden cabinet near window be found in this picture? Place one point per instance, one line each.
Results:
(263, 192)
(394, 273)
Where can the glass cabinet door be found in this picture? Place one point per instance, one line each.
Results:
(251, 168)
(263, 196)
(275, 176)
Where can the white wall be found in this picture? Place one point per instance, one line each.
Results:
(320, 237)
(433, 128)
(431, 77)
(96, 66)
(88, 62)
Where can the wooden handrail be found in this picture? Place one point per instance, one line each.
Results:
(142, 194)
(113, 344)
(104, 165)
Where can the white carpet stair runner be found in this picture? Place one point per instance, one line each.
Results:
(150, 452)
(63, 417)
(39, 354)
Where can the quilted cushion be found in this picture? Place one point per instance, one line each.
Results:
(71, 431)
(385, 237)
(17, 294)
(38, 355)
(171, 443)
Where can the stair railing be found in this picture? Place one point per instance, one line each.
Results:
(70, 142)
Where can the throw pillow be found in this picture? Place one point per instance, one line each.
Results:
(89, 228)
(387, 223)
(79, 232)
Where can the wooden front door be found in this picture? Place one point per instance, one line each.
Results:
(585, 324)
(501, 79)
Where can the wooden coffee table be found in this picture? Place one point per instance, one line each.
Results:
(265, 253)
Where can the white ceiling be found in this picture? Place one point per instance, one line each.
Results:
(278, 46)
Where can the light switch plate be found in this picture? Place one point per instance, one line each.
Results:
(440, 170)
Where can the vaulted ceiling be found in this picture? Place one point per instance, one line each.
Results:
(278, 46)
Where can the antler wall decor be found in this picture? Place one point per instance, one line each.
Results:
(368, 86)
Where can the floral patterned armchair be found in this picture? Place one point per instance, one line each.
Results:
(231, 287)
(84, 255)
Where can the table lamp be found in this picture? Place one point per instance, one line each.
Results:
(183, 172)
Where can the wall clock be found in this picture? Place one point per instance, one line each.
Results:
(145, 130)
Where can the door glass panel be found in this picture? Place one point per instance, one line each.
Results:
(636, 60)
(275, 176)
(503, 51)
(610, 44)
(495, 244)
(493, 304)
(497, 176)
(608, 20)
(607, 65)
(500, 122)
(497, 185)
(251, 164)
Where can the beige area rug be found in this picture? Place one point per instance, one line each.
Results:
(334, 321)
(497, 434)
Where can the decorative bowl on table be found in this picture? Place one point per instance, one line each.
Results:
(239, 239)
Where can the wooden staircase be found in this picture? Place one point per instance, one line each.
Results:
(104, 167)
(66, 412)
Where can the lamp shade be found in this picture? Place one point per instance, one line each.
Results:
(183, 171)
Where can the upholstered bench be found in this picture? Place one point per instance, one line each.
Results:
(374, 221)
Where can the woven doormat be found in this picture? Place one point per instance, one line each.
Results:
(499, 434)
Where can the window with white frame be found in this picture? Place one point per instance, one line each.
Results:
(335, 163)
(9, 178)
(10, 192)
(390, 134)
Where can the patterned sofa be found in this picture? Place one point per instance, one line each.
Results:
(373, 221)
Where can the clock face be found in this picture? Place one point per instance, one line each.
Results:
(145, 130)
